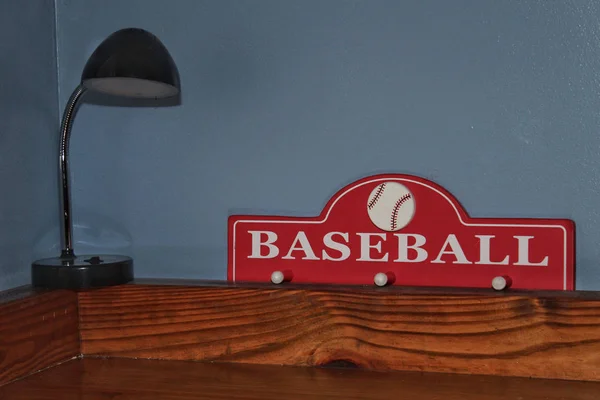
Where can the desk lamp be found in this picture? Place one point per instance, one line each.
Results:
(131, 64)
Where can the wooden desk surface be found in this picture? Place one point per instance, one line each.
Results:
(100, 378)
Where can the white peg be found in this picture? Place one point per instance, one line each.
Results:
(277, 277)
(381, 279)
(500, 283)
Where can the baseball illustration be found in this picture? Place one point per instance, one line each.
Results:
(391, 206)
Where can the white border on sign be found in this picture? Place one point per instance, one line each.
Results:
(418, 183)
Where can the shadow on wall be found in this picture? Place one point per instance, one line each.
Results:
(98, 234)
(93, 233)
(179, 262)
(15, 260)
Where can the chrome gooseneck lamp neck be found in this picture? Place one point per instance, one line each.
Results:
(68, 271)
(65, 192)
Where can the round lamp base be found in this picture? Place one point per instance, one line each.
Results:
(82, 272)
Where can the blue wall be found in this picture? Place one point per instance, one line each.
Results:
(28, 134)
(285, 102)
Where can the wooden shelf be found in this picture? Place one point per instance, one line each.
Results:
(551, 335)
(124, 379)
(392, 340)
(37, 329)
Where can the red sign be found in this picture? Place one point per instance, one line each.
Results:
(402, 230)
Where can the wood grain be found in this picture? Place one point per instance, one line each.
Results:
(37, 330)
(102, 379)
(527, 335)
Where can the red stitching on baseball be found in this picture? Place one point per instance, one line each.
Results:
(397, 206)
(377, 196)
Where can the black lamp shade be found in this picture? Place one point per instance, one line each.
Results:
(132, 63)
